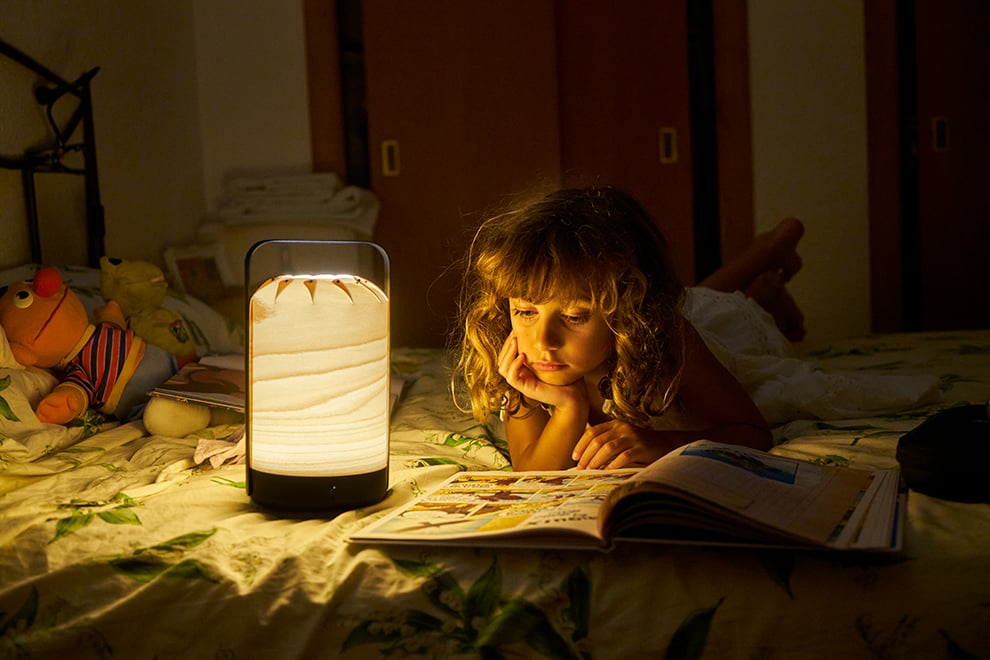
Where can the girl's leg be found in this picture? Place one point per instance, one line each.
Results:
(772, 251)
(769, 292)
(763, 270)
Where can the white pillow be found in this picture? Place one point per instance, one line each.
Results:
(238, 239)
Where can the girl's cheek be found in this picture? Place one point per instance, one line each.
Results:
(521, 344)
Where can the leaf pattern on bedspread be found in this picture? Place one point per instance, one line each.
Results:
(689, 640)
(166, 558)
(481, 438)
(5, 410)
(82, 513)
(887, 644)
(481, 618)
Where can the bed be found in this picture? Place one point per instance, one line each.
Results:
(117, 543)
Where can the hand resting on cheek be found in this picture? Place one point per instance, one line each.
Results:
(512, 365)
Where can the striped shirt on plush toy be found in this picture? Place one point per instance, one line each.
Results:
(104, 361)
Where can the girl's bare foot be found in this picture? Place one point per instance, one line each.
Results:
(762, 270)
(772, 251)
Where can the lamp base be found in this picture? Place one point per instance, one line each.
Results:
(287, 495)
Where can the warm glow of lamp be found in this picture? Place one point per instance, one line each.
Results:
(318, 375)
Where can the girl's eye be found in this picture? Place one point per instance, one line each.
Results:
(576, 315)
(523, 313)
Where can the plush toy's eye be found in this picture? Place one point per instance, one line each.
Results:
(23, 299)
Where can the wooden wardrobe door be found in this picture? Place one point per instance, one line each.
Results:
(625, 92)
(929, 199)
(462, 99)
(953, 55)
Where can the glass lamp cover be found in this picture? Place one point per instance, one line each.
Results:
(318, 374)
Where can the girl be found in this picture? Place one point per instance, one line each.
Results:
(571, 326)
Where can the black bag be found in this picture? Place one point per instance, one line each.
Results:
(948, 455)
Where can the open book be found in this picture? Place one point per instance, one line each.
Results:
(704, 492)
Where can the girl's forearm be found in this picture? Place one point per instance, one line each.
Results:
(552, 448)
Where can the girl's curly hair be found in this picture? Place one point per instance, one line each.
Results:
(591, 243)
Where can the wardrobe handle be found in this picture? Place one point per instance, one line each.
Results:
(390, 157)
(940, 134)
(668, 146)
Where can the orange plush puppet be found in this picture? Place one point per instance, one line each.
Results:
(96, 363)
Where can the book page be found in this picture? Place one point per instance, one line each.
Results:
(880, 525)
(213, 382)
(522, 508)
(802, 500)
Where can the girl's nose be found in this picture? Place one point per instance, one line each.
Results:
(546, 335)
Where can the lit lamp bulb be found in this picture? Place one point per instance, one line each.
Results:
(318, 392)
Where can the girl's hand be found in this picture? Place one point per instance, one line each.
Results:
(538, 440)
(617, 444)
(512, 366)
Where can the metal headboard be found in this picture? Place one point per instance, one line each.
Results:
(51, 158)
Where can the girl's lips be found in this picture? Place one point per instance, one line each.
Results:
(541, 365)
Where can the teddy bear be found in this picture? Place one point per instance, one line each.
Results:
(101, 365)
(139, 288)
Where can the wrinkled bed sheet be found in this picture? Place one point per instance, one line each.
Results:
(122, 545)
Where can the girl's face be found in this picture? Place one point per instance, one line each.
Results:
(562, 342)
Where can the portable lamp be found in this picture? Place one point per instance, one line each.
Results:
(317, 375)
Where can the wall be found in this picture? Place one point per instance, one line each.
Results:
(807, 74)
(189, 94)
(253, 108)
(145, 116)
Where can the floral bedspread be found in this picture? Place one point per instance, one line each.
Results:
(120, 545)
